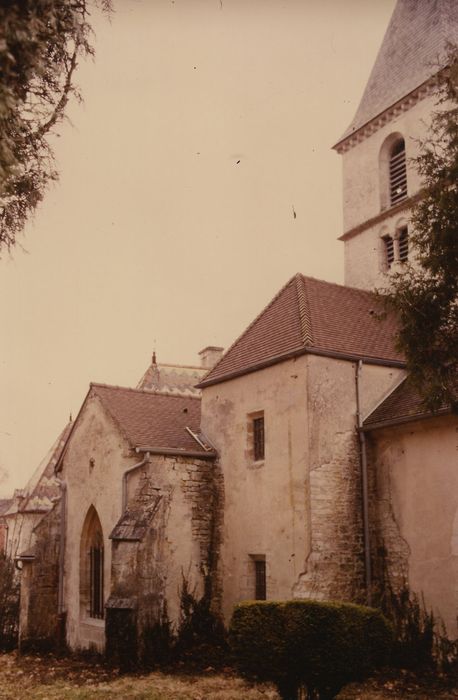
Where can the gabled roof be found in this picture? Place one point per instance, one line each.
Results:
(403, 405)
(177, 380)
(150, 420)
(43, 488)
(135, 521)
(413, 49)
(310, 315)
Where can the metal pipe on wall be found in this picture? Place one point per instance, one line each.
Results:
(364, 485)
(144, 461)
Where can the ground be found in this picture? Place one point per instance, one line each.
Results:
(50, 678)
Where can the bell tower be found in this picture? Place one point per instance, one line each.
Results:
(379, 182)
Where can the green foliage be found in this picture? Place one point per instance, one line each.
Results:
(157, 642)
(319, 645)
(146, 638)
(201, 636)
(40, 45)
(121, 638)
(425, 295)
(445, 652)
(413, 628)
(9, 604)
(421, 641)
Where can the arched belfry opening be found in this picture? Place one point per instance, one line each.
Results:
(91, 567)
(393, 171)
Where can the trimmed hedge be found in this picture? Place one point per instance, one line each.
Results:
(319, 645)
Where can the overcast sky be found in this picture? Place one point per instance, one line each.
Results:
(205, 125)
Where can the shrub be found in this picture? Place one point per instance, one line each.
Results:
(201, 636)
(421, 639)
(321, 646)
(413, 627)
(157, 641)
(9, 604)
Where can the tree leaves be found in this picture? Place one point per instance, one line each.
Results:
(425, 293)
(42, 41)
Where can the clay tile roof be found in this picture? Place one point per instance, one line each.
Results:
(5, 504)
(178, 380)
(43, 488)
(310, 315)
(413, 49)
(402, 405)
(153, 420)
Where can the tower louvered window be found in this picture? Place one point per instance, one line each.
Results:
(389, 250)
(398, 173)
(403, 242)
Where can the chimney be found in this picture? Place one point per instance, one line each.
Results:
(210, 355)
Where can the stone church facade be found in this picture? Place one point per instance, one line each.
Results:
(300, 463)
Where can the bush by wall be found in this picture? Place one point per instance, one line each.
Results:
(303, 643)
(9, 604)
(201, 637)
(421, 639)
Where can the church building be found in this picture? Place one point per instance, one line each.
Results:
(298, 464)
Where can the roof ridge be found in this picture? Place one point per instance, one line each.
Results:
(369, 292)
(170, 364)
(242, 335)
(148, 392)
(304, 310)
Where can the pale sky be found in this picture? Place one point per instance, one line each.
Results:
(205, 124)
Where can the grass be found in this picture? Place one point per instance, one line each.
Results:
(50, 678)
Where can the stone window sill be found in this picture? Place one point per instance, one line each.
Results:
(93, 622)
(257, 464)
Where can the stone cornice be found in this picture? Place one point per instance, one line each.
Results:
(385, 214)
(402, 105)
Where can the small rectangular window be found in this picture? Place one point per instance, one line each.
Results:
(260, 587)
(258, 438)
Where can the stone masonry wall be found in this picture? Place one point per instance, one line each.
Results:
(203, 487)
(389, 550)
(335, 566)
(170, 532)
(414, 502)
(39, 623)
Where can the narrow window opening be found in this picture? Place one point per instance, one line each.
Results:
(96, 579)
(260, 578)
(258, 438)
(92, 568)
(398, 173)
(389, 250)
(403, 242)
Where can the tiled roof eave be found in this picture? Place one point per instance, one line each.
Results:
(126, 538)
(311, 350)
(400, 420)
(176, 452)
